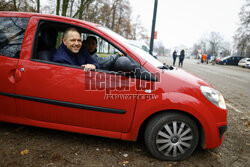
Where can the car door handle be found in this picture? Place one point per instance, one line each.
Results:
(18, 75)
(11, 76)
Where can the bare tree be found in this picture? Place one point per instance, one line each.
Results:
(213, 44)
(196, 50)
(18, 5)
(159, 48)
(215, 41)
(114, 14)
(203, 44)
(83, 5)
(139, 32)
(242, 36)
(114, 5)
(225, 49)
(7, 6)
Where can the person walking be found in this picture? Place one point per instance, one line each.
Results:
(208, 58)
(181, 58)
(204, 58)
(174, 57)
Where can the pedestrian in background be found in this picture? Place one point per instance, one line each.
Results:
(174, 57)
(199, 58)
(204, 57)
(208, 58)
(181, 58)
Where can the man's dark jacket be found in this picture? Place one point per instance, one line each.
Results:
(64, 55)
(182, 55)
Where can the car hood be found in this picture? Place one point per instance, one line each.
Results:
(180, 81)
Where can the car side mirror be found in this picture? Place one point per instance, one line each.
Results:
(123, 64)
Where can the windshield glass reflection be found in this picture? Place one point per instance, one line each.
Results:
(139, 51)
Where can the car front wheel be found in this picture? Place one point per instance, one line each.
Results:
(171, 136)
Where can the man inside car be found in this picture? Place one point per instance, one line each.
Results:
(72, 52)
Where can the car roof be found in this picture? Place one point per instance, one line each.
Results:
(30, 14)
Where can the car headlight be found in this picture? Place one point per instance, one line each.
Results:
(213, 96)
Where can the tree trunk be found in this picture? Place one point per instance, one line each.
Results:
(14, 3)
(71, 8)
(114, 6)
(242, 50)
(38, 6)
(81, 10)
(65, 7)
(58, 6)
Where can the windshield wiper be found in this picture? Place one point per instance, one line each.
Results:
(167, 67)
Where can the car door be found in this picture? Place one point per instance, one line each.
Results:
(230, 60)
(237, 60)
(53, 94)
(12, 30)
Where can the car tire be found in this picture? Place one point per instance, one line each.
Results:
(171, 136)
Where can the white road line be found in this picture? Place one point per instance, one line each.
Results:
(235, 109)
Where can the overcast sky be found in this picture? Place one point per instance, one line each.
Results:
(184, 22)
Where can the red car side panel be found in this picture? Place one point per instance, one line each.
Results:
(63, 127)
(7, 85)
(66, 84)
(204, 114)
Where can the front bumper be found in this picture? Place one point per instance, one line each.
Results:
(222, 130)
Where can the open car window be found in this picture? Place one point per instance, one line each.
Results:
(49, 38)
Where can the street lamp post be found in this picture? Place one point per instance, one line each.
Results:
(153, 28)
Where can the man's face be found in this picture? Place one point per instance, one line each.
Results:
(72, 41)
(91, 45)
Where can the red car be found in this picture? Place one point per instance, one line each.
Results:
(175, 111)
(218, 59)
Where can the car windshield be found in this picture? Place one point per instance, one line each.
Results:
(140, 52)
(245, 59)
(224, 58)
(145, 55)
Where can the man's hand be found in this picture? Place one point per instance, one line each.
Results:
(88, 67)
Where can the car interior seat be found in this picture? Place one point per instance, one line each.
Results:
(47, 44)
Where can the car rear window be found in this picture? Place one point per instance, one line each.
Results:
(12, 31)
